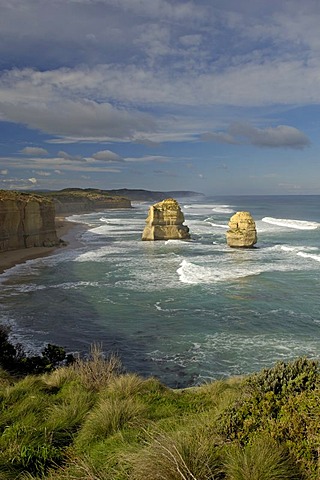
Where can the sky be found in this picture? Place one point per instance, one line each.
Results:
(216, 96)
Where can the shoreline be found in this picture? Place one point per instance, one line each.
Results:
(66, 231)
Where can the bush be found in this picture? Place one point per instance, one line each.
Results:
(286, 378)
(14, 359)
(282, 401)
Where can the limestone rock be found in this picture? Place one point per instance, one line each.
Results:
(165, 221)
(242, 231)
(26, 220)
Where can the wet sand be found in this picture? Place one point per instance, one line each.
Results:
(66, 231)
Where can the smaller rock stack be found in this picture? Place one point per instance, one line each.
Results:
(165, 221)
(242, 231)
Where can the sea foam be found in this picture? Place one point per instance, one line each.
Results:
(295, 224)
(195, 274)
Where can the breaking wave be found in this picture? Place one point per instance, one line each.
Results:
(295, 224)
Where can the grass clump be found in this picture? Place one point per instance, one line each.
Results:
(264, 459)
(185, 454)
(96, 371)
(108, 417)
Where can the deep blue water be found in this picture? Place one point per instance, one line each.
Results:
(183, 311)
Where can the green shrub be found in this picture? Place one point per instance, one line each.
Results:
(286, 378)
(283, 402)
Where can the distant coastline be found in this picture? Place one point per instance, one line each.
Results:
(67, 231)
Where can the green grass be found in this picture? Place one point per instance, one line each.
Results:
(92, 421)
(264, 459)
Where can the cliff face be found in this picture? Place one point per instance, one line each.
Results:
(165, 221)
(81, 201)
(26, 220)
(242, 231)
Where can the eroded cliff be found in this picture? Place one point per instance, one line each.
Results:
(26, 220)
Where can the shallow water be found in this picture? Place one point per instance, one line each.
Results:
(183, 311)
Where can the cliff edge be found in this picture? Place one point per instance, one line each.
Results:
(26, 220)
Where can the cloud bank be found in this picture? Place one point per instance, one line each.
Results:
(281, 136)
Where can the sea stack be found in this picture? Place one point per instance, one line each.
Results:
(165, 221)
(242, 231)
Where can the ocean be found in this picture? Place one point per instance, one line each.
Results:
(186, 312)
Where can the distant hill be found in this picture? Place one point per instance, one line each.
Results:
(79, 200)
(152, 196)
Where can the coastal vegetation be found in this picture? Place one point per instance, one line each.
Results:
(91, 420)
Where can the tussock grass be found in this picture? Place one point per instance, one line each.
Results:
(65, 418)
(83, 468)
(263, 460)
(110, 416)
(96, 372)
(28, 386)
(5, 379)
(187, 454)
(222, 393)
(60, 377)
(126, 385)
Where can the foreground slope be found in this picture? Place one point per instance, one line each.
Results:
(92, 421)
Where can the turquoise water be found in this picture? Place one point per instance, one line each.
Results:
(188, 311)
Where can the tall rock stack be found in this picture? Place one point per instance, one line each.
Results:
(165, 221)
(242, 231)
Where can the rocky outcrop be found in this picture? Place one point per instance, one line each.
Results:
(242, 231)
(26, 220)
(165, 221)
(81, 201)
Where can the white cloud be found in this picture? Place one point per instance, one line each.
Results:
(148, 158)
(107, 156)
(60, 164)
(32, 180)
(34, 151)
(4, 172)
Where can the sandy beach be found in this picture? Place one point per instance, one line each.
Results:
(66, 231)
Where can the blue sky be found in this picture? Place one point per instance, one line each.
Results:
(216, 96)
